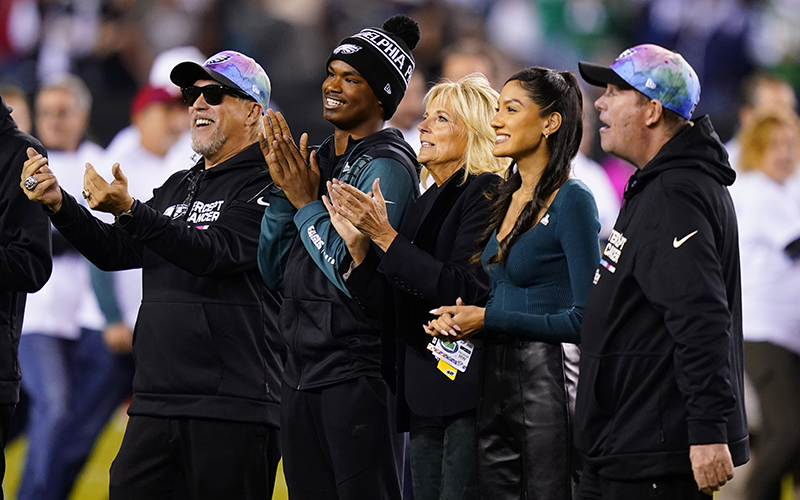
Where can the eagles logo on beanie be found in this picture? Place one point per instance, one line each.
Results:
(383, 57)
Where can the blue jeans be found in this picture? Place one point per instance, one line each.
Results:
(443, 457)
(74, 387)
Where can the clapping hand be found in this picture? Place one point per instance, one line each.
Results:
(292, 168)
(103, 196)
(357, 242)
(366, 211)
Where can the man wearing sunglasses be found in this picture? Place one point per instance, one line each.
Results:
(204, 414)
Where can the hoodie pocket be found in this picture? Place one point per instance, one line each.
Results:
(306, 326)
(175, 350)
(629, 387)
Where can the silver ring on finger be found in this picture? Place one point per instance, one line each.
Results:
(31, 183)
(86, 194)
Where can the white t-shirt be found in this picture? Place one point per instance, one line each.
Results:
(67, 301)
(769, 219)
(793, 184)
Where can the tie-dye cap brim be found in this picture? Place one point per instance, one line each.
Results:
(654, 71)
(229, 68)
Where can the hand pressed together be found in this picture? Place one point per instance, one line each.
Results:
(366, 211)
(458, 322)
(292, 168)
(357, 242)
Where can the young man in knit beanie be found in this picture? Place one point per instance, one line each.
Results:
(338, 428)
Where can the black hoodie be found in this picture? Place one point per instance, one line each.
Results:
(25, 262)
(661, 352)
(206, 341)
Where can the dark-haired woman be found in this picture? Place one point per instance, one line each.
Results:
(541, 250)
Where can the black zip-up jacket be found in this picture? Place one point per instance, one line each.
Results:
(330, 336)
(661, 352)
(206, 341)
(25, 261)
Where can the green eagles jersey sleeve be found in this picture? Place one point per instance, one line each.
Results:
(275, 241)
(319, 236)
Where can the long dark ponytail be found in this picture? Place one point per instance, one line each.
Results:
(553, 92)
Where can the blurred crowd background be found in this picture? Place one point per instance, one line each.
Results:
(111, 44)
(114, 47)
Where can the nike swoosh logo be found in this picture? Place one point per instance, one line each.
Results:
(678, 242)
(261, 201)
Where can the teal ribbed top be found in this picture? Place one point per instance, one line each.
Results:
(540, 291)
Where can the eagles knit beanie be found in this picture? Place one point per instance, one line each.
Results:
(383, 57)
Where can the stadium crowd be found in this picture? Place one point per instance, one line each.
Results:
(276, 273)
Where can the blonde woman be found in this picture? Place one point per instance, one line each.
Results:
(427, 260)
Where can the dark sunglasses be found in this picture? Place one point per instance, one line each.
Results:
(211, 93)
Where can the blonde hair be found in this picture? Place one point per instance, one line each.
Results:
(755, 138)
(473, 100)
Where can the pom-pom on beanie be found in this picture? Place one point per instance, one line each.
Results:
(383, 57)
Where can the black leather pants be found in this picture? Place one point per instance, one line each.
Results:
(525, 446)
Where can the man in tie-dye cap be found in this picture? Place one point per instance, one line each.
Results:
(204, 416)
(660, 402)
